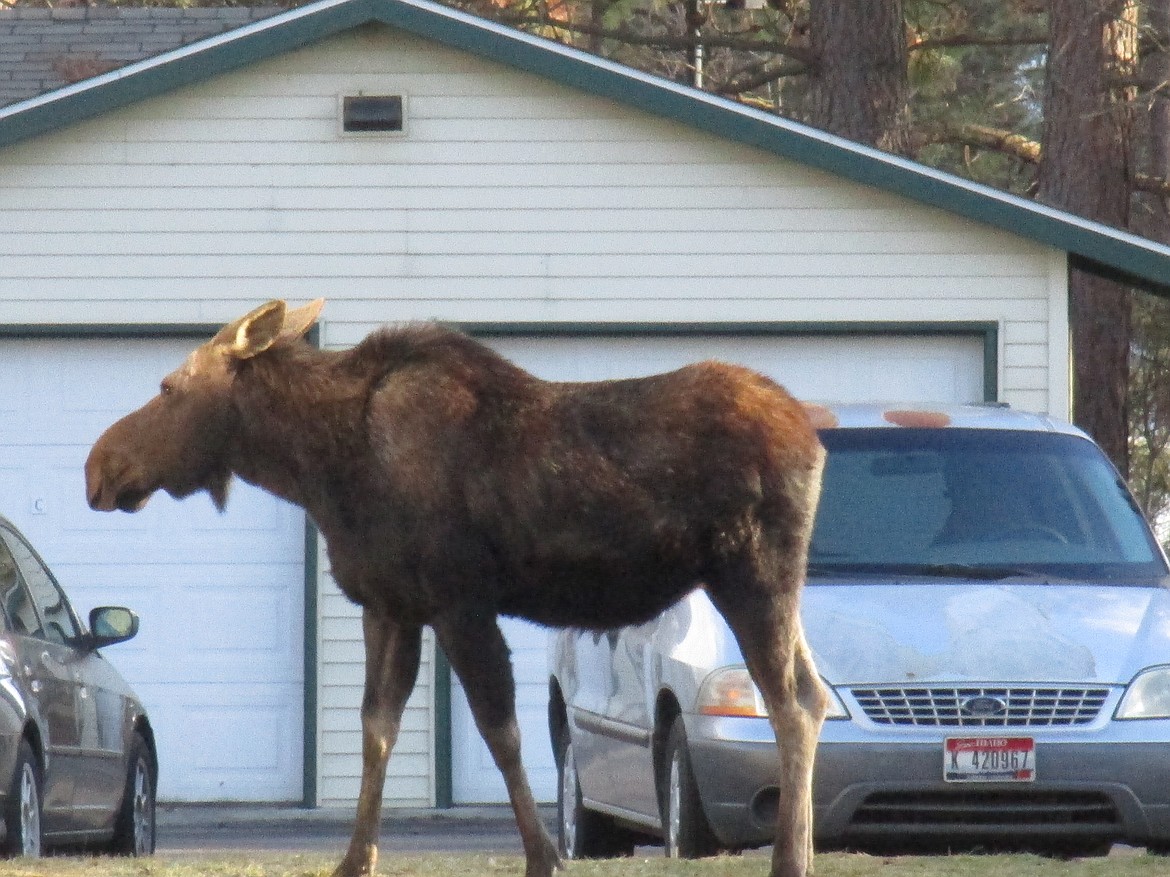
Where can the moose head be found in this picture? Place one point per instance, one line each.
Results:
(181, 440)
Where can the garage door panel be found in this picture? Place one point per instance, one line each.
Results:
(220, 595)
(255, 524)
(860, 368)
(187, 717)
(237, 627)
(475, 777)
(84, 384)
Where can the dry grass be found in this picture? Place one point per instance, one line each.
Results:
(464, 865)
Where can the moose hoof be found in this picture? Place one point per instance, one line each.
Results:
(544, 863)
(358, 864)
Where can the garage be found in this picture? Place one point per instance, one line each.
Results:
(587, 219)
(935, 364)
(219, 660)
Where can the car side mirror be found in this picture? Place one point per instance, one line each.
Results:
(109, 625)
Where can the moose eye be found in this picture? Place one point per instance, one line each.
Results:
(166, 388)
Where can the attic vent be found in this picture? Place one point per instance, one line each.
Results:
(371, 113)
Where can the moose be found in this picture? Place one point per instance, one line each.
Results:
(452, 487)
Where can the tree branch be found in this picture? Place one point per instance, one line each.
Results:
(984, 137)
(538, 20)
(751, 77)
(960, 40)
(1154, 185)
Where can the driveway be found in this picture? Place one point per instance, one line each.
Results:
(199, 829)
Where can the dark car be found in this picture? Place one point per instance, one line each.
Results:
(77, 757)
(991, 616)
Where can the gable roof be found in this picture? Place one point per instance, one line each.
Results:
(1092, 246)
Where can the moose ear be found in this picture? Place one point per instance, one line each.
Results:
(253, 333)
(300, 320)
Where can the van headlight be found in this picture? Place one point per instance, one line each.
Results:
(731, 692)
(836, 705)
(1147, 697)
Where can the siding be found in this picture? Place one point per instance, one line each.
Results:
(409, 780)
(508, 199)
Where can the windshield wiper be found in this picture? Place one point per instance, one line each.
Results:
(846, 569)
(973, 571)
(928, 570)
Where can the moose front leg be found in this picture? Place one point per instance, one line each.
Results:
(479, 656)
(392, 659)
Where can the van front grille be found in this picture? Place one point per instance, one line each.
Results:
(982, 707)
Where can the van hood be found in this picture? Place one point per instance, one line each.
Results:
(932, 631)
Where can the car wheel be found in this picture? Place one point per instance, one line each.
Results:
(22, 814)
(134, 829)
(584, 834)
(685, 829)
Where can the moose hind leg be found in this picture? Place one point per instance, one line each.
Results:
(478, 654)
(392, 660)
(772, 641)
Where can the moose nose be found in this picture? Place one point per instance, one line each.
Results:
(114, 481)
(109, 475)
(99, 497)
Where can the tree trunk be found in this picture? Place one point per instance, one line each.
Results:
(1151, 212)
(1149, 377)
(1085, 170)
(859, 87)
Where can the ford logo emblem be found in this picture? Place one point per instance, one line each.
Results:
(982, 706)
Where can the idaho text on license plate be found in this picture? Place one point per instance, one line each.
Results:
(989, 760)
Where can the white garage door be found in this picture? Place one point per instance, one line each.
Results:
(219, 660)
(856, 368)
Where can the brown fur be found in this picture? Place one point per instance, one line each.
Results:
(451, 487)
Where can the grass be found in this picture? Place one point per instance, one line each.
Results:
(468, 865)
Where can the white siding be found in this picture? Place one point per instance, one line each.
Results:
(410, 778)
(509, 198)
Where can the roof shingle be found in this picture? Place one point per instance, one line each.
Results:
(42, 50)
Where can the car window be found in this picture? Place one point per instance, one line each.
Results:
(917, 499)
(19, 613)
(55, 622)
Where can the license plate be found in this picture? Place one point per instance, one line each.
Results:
(989, 760)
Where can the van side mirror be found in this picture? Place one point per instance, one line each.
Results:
(109, 625)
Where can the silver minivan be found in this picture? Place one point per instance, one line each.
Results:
(991, 615)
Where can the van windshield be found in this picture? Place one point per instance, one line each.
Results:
(976, 503)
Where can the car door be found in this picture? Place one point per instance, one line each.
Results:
(103, 720)
(44, 628)
(615, 723)
(588, 692)
(630, 713)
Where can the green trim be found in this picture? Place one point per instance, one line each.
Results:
(991, 362)
(110, 330)
(444, 756)
(1100, 249)
(311, 623)
(309, 720)
(826, 327)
